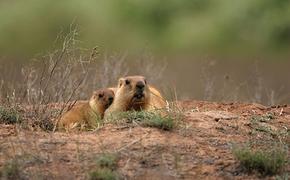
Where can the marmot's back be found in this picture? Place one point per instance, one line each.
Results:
(85, 114)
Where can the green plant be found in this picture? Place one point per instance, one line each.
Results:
(283, 177)
(11, 170)
(106, 168)
(146, 118)
(107, 160)
(103, 174)
(164, 123)
(267, 161)
(264, 118)
(9, 115)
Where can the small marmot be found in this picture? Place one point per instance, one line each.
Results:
(133, 93)
(84, 114)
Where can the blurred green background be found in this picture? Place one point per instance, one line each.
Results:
(224, 27)
(216, 49)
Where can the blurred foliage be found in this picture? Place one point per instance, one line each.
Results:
(244, 26)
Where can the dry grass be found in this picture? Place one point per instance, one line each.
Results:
(221, 86)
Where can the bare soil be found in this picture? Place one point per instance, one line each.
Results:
(199, 148)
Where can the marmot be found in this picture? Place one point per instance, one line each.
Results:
(85, 114)
(133, 93)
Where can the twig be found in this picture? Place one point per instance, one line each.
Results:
(69, 99)
(131, 143)
(281, 112)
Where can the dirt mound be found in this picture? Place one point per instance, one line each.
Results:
(200, 147)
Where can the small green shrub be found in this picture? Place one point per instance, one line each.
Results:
(266, 161)
(105, 169)
(103, 174)
(11, 170)
(107, 161)
(9, 116)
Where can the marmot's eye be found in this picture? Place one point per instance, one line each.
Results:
(127, 81)
(145, 81)
(101, 95)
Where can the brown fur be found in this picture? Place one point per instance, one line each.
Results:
(124, 96)
(157, 101)
(86, 113)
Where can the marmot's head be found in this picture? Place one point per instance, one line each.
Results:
(135, 91)
(101, 100)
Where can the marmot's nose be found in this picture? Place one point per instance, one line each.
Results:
(140, 85)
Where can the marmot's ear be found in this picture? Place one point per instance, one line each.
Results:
(121, 82)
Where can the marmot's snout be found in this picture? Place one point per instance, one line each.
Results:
(140, 86)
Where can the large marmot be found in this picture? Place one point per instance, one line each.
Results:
(84, 114)
(133, 93)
